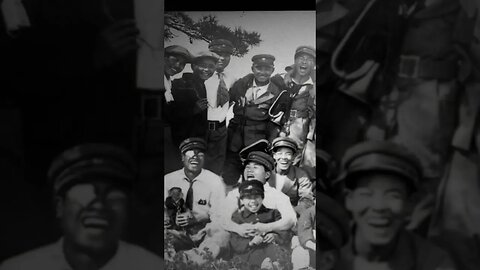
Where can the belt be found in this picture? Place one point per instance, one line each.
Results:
(412, 66)
(214, 125)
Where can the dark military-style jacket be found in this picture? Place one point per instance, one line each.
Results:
(264, 215)
(179, 113)
(250, 122)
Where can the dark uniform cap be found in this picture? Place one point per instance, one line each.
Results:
(92, 161)
(305, 49)
(332, 222)
(251, 187)
(178, 50)
(288, 68)
(193, 143)
(384, 156)
(261, 158)
(263, 60)
(205, 54)
(284, 142)
(260, 145)
(221, 45)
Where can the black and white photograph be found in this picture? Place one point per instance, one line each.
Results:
(273, 135)
(239, 141)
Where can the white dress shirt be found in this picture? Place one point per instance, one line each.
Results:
(255, 91)
(208, 193)
(167, 82)
(215, 113)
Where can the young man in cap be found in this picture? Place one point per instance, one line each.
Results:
(91, 185)
(176, 57)
(187, 114)
(256, 249)
(204, 195)
(259, 166)
(294, 109)
(326, 221)
(253, 96)
(218, 100)
(288, 178)
(379, 177)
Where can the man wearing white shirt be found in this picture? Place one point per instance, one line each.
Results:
(218, 104)
(259, 166)
(197, 225)
(253, 96)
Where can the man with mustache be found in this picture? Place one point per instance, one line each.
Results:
(218, 105)
(92, 186)
(253, 96)
(380, 178)
(187, 114)
(203, 193)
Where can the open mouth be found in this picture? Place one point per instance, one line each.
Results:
(96, 222)
(379, 222)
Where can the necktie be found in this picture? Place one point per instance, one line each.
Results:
(189, 199)
(222, 91)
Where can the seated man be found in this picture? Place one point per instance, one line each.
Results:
(379, 177)
(204, 194)
(258, 166)
(290, 179)
(262, 248)
(91, 185)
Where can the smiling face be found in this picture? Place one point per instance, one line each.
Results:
(262, 73)
(379, 207)
(223, 61)
(193, 160)
(174, 64)
(283, 157)
(204, 68)
(304, 64)
(255, 171)
(93, 215)
(252, 202)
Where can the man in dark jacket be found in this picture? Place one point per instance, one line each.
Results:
(253, 96)
(187, 113)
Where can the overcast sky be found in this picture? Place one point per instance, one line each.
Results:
(281, 33)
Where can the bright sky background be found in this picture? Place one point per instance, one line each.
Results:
(281, 33)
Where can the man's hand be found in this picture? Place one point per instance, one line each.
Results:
(166, 221)
(262, 227)
(185, 219)
(257, 240)
(246, 230)
(268, 238)
(200, 105)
